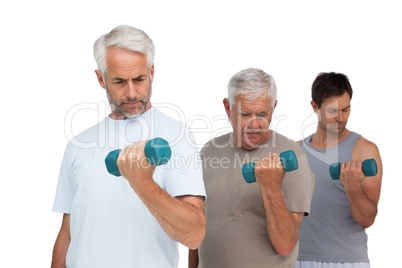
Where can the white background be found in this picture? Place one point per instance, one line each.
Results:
(47, 69)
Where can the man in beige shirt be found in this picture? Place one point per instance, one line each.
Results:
(252, 225)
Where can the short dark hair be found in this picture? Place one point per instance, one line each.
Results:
(328, 85)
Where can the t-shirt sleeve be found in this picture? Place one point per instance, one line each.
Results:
(64, 192)
(298, 186)
(183, 174)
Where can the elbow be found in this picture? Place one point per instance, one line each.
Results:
(196, 241)
(197, 236)
(195, 244)
(284, 250)
(367, 223)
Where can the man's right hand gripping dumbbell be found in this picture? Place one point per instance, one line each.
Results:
(270, 166)
(138, 160)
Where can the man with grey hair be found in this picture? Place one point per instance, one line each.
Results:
(135, 220)
(252, 225)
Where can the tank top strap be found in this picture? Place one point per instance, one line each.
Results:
(346, 147)
(341, 153)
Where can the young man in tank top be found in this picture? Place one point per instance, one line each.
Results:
(334, 234)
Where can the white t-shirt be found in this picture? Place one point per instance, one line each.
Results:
(110, 225)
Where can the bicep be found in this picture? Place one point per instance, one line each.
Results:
(370, 185)
(195, 200)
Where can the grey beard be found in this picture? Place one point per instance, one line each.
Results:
(116, 106)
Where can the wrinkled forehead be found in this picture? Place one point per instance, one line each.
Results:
(247, 103)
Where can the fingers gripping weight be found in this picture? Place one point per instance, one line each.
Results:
(288, 160)
(157, 151)
(369, 169)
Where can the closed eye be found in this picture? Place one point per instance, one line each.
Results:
(118, 81)
(139, 78)
(331, 111)
(263, 114)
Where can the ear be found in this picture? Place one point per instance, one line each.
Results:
(276, 102)
(227, 106)
(100, 78)
(314, 105)
(152, 73)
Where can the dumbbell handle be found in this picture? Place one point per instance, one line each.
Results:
(369, 169)
(157, 151)
(288, 160)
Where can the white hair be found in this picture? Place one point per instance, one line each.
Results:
(127, 37)
(252, 83)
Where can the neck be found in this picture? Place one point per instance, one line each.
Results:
(324, 139)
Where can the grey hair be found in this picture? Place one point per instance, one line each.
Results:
(127, 37)
(252, 83)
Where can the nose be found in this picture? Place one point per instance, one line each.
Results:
(339, 117)
(253, 124)
(131, 91)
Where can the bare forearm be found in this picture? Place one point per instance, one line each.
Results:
(182, 221)
(362, 208)
(282, 228)
(62, 243)
(60, 252)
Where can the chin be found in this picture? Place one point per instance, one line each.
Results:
(250, 144)
(132, 113)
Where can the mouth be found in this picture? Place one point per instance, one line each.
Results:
(338, 126)
(132, 103)
(252, 134)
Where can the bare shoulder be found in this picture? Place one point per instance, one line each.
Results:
(365, 149)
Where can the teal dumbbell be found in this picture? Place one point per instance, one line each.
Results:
(157, 151)
(369, 169)
(288, 160)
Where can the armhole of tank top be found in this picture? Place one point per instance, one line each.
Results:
(353, 140)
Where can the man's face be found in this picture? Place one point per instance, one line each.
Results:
(128, 82)
(334, 113)
(250, 120)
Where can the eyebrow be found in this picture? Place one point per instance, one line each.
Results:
(141, 76)
(259, 113)
(334, 109)
(346, 107)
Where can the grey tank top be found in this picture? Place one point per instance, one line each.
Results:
(330, 234)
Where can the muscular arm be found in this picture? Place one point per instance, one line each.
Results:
(182, 218)
(362, 192)
(62, 243)
(282, 225)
